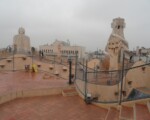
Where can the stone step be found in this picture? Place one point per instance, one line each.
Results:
(148, 105)
(141, 112)
(126, 113)
(113, 114)
(69, 92)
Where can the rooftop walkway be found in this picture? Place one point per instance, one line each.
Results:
(20, 81)
(41, 96)
(55, 107)
(50, 107)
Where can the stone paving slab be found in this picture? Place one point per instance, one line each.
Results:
(55, 107)
(18, 81)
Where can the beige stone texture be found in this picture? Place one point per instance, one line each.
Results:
(21, 42)
(116, 43)
(19, 61)
(140, 77)
(103, 92)
(93, 63)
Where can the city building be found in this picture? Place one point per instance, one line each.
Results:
(62, 48)
(141, 54)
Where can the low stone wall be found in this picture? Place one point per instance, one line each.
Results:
(139, 77)
(29, 93)
(106, 95)
(103, 92)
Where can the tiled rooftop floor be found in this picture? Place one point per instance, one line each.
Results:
(13, 81)
(54, 107)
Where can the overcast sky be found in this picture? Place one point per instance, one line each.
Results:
(83, 22)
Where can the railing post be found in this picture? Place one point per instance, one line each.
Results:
(76, 66)
(70, 69)
(86, 80)
(83, 70)
(54, 64)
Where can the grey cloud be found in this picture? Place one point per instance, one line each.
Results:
(83, 22)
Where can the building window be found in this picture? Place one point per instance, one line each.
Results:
(76, 52)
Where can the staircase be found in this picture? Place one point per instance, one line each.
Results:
(69, 91)
(127, 111)
(141, 112)
(112, 114)
(135, 111)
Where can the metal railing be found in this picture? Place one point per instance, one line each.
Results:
(106, 78)
(15, 62)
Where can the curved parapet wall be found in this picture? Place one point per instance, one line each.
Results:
(104, 93)
(136, 77)
(21, 62)
(140, 76)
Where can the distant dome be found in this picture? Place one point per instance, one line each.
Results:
(21, 30)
